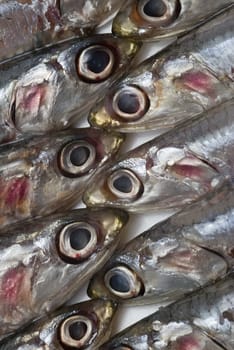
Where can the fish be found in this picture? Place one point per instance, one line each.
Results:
(26, 25)
(43, 174)
(175, 257)
(156, 20)
(174, 85)
(85, 324)
(202, 321)
(54, 88)
(171, 170)
(44, 261)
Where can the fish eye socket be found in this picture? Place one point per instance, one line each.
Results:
(77, 158)
(77, 241)
(123, 283)
(162, 12)
(124, 184)
(130, 103)
(95, 64)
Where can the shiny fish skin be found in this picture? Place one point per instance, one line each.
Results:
(174, 18)
(203, 321)
(54, 88)
(26, 25)
(183, 80)
(44, 256)
(174, 257)
(41, 174)
(43, 334)
(173, 169)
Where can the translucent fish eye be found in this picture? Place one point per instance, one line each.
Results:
(123, 283)
(162, 12)
(76, 332)
(77, 157)
(124, 184)
(77, 241)
(95, 63)
(130, 103)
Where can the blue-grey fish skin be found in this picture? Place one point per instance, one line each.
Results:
(175, 257)
(173, 169)
(44, 261)
(185, 79)
(203, 321)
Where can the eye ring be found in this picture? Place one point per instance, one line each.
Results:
(123, 283)
(93, 69)
(77, 158)
(159, 12)
(124, 184)
(77, 241)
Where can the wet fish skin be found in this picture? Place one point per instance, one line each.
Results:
(203, 320)
(176, 84)
(53, 89)
(171, 170)
(55, 253)
(166, 18)
(43, 174)
(175, 257)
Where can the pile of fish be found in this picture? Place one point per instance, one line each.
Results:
(57, 73)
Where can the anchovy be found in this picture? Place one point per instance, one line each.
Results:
(203, 321)
(54, 88)
(183, 80)
(175, 257)
(26, 25)
(173, 169)
(46, 260)
(150, 19)
(43, 174)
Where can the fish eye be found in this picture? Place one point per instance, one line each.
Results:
(95, 63)
(77, 158)
(124, 184)
(123, 283)
(130, 103)
(76, 332)
(162, 12)
(77, 241)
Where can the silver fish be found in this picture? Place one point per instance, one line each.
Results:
(26, 25)
(203, 321)
(175, 257)
(150, 19)
(173, 169)
(46, 260)
(42, 174)
(174, 85)
(54, 88)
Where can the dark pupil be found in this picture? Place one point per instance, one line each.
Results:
(97, 60)
(155, 8)
(123, 184)
(79, 155)
(79, 238)
(77, 330)
(128, 103)
(119, 283)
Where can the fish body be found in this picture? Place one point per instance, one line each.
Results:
(54, 88)
(46, 260)
(175, 257)
(173, 169)
(43, 174)
(174, 85)
(203, 321)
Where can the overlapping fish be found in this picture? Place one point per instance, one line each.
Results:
(84, 325)
(46, 260)
(29, 24)
(175, 257)
(204, 321)
(180, 82)
(40, 175)
(173, 169)
(44, 92)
